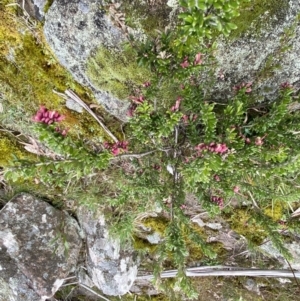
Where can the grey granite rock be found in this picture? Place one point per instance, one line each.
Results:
(74, 29)
(111, 267)
(39, 247)
(267, 58)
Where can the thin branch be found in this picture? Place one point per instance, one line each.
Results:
(124, 156)
(253, 201)
(226, 271)
(293, 273)
(70, 94)
(71, 277)
(92, 291)
(68, 284)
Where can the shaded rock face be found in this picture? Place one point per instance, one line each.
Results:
(267, 58)
(35, 8)
(74, 29)
(294, 249)
(33, 255)
(111, 268)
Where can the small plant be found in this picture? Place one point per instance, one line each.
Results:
(179, 141)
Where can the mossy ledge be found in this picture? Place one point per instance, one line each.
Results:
(116, 71)
(29, 73)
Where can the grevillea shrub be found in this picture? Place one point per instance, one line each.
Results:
(179, 141)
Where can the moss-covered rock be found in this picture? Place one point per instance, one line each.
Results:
(10, 149)
(73, 38)
(263, 50)
(28, 75)
(241, 221)
(146, 16)
(116, 72)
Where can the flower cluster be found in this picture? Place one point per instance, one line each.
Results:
(116, 148)
(187, 118)
(217, 200)
(246, 86)
(175, 108)
(286, 85)
(197, 61)
(136, 100)
(63, 132)
(43, 115)
(212, 147)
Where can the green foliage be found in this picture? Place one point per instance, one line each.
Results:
(181, 142)
(73, 161)
(201, 17)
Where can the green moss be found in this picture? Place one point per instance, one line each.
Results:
(116, 72)
(10, 148)
(241, 222)
(276, 211)
(146, 15)
(251, 11)
(140, 244)
(28, 75)
(158, 224)
(48, 5)
(195, 251)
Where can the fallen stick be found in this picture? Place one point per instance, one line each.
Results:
(226, 271)
(70, 94)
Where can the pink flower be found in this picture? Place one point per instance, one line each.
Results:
(217, 200)
(116, 148)
(286, 85)
(131, 109)
(212, 147)
(217, 178)
(236, 189)
(63, 132)
(146, 84)
(198, 60)
(185, 119)
(259, 141)
(185, 63)
(177, 104)
(137, 99)
(48, 117)
(246, 86)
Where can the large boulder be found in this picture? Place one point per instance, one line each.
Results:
(110, 267)
(267, 54)
(294, 248)
(74, 29)
(39, 247)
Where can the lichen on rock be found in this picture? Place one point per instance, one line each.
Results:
(112, 268)
(75, 35)
(34, 246)
(267, 57)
